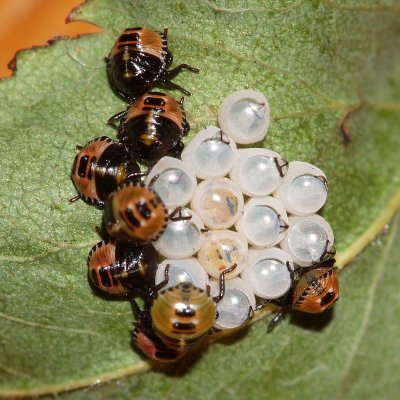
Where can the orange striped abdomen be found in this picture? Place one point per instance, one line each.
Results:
(102, 264)
(182, 315)
(119, 268)
(85, 163)
(317, 290)
(135, 212)
(159, 103)
(141, 40)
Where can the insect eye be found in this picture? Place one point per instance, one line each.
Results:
(211, 153)
(267, 272)
(264, 222)
(234, 308)
(175, 183)
(244, 116)
(256, 171)
(184, 270)
(308, 239)
(304, 189)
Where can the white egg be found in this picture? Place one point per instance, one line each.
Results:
(173, 180)
(268, 272)
(258, 172)
(219, 203)
(263, 222)
(183, 235)
(308, 239)
(235, 308)
(220, 250)
(304, 189)
(182, 270)
(211, 153)
(244, 116)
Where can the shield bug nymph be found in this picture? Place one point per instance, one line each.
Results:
(138, 60)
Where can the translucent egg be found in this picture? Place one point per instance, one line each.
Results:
(220, 250)
(235, 308)
(268, 272)
(308, 239)
(264, 222)
(219, 202)
(244, 116)
(304, 189)
(211, 153)
(184, 270)
(258, 172)
(182, 237)
(173, 180)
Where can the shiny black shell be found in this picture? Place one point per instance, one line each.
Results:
(137, 60)
(154, 126)
(120, 268)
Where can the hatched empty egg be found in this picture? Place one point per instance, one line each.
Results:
(211, 153)
(219, 202)
(173, 180)
(264, 222)
(237, 305)
(183, 234)
(183, 270)
(268, 272)
(304, 189)
(258, 172)
(244, 116)
(308, 240)
(220, 250)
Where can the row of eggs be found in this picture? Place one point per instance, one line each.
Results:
(256, 172)
(274, 187)
(306, 240)
(267, 275)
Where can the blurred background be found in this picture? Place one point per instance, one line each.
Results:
(27, 23)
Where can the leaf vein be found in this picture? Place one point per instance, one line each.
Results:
(12, 371)
(46, 326)
(368, 310)
(59, 248)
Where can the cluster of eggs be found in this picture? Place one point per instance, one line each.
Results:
(199, 255)
(275, 231)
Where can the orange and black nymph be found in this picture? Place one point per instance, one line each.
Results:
(99, 167)
(153, 126)
(315, 290)
(184, 314)
(135, 212)
(138, 60)
(120, 268)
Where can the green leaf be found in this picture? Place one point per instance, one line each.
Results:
(350, 353)
(321, 64)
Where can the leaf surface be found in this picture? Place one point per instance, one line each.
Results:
(350, 353)
(320, 63)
